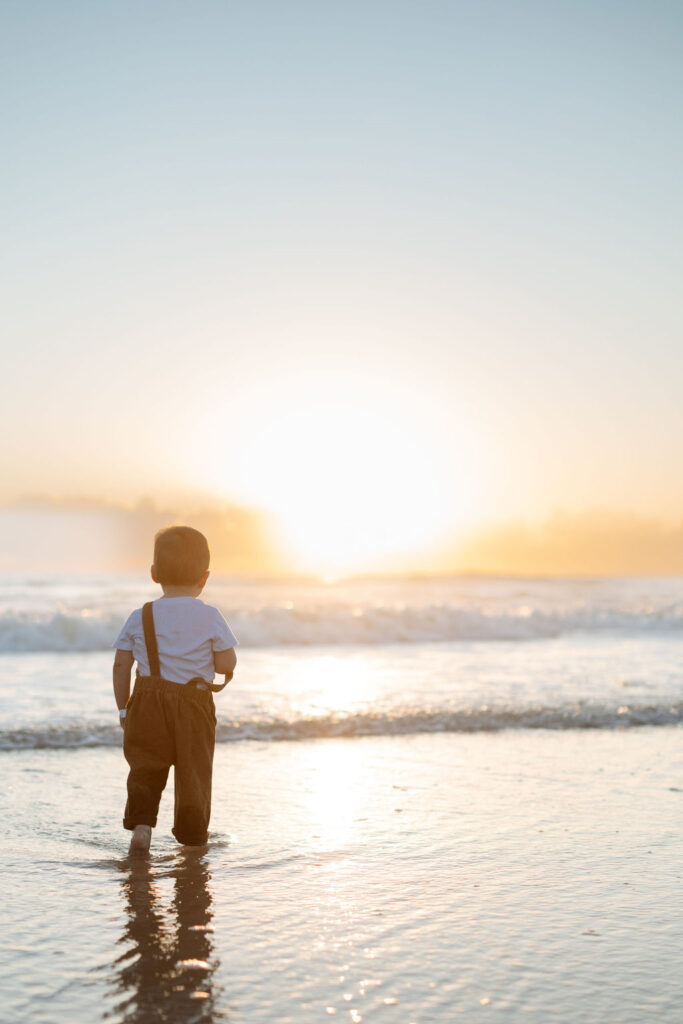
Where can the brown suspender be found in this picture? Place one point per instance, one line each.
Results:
(153, 651)
(150, 639)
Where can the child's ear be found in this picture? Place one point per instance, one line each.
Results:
(154, 575)
(201, 582)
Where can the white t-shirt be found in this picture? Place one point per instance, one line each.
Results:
(188, 632)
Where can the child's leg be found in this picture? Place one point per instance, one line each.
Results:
(148, 748)
(145, 787)
(195, 740)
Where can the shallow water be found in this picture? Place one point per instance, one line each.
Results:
(510, 875)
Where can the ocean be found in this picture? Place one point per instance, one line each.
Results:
(362, 657)
(433, 796)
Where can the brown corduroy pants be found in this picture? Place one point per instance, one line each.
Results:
(170, 724)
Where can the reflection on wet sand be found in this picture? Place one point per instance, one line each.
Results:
(166, 971)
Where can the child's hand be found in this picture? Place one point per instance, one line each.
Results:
(224, 662)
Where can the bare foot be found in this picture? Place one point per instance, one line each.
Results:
(142, 837)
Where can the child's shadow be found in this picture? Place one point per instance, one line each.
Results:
(166, 972)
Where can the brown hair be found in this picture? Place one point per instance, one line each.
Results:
(181, 556)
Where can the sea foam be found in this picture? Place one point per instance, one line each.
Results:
(264, 728)
(344, 625)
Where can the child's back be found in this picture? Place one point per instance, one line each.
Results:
(188, 634)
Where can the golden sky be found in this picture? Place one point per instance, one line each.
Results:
(390, 276)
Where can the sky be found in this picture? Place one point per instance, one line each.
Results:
(387, 274)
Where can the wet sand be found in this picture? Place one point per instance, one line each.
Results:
(525, 875)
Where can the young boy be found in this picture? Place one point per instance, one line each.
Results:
(178, 643)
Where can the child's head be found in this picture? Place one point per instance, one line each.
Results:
(181, 557)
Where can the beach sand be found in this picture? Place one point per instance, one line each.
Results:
(524, 875)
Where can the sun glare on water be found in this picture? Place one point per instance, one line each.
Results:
(353, 483)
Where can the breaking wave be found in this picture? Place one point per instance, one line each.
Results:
(347, 625)
(400, 723)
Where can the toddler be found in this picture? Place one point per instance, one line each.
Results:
(178, 643)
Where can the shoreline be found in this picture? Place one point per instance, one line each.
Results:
(586, 718)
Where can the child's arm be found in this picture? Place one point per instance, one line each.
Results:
(123, 664)
(224, 662)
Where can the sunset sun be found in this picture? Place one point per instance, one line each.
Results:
(352, 481)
